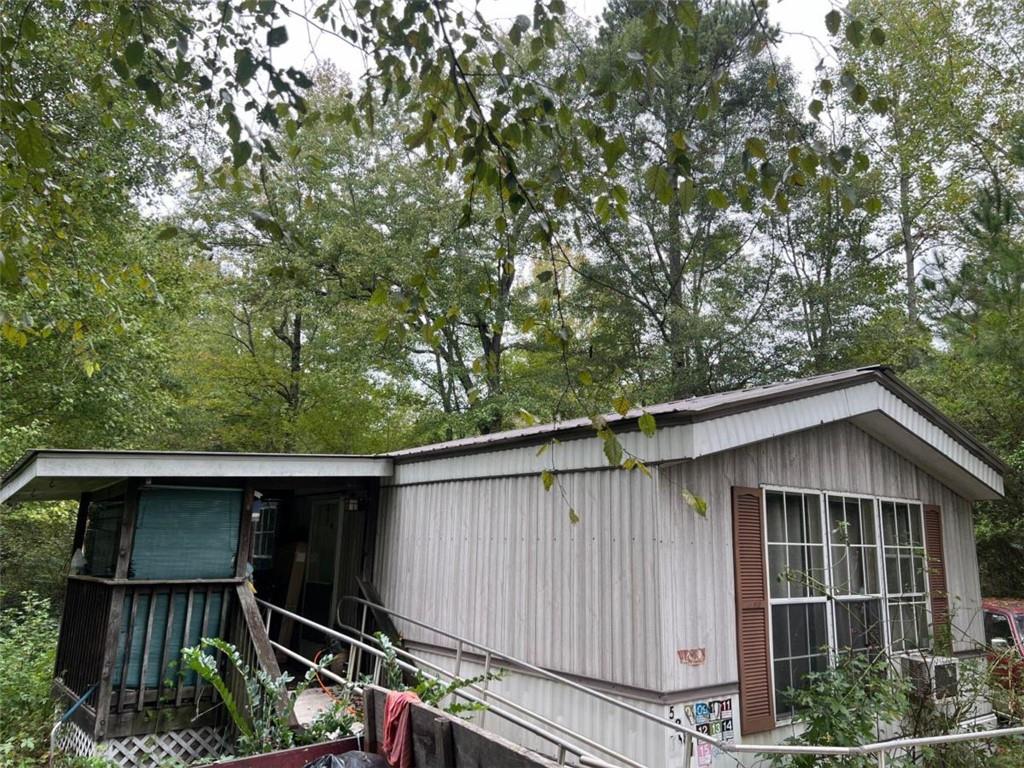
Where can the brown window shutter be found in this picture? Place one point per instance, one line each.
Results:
(757, 712)
(937, 578)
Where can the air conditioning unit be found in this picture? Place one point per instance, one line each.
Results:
(934, 676)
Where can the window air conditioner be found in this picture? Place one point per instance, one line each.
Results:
(934, 676)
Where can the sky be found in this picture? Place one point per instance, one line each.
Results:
(802, 23)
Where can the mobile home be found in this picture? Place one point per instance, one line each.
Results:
(771, 525)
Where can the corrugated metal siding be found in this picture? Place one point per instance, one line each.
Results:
(630, 735)
(699, 603)
(497, 561)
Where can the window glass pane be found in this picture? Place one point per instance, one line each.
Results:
(923, 635)
(892, 572)
(909, 619)
(837, 520)
(906, 573)
(997, 627)
(776, 567)
(813, 512)
(857, 584)
(840, 570)
(799, 642)
(858, 624)
(871, 571)
(817, 569)
(776, 516)
(888, 522)
(895, 626)
(915, 525)
(818, 628)
(795, 517)
(783, 682)
(903, 525)
(780, 632)
(867, 516)
(853, 521)
(919, 580)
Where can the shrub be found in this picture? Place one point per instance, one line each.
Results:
(28, 646)
(263, 720)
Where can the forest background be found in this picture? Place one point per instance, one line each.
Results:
(558, 217)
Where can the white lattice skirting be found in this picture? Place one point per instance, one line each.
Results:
(152, 751)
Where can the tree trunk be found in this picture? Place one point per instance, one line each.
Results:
(907, 233)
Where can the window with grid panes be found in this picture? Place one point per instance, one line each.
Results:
(903, 545)
(854, 571)
(827, 544)
(796, 569)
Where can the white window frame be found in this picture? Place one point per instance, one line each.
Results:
(883, 594)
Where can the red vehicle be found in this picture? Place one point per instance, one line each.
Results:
(1004, 635)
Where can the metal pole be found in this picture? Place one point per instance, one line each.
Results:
(561, 755)
(359, 651)
(687, 749)
(881, 759)
(487, 680)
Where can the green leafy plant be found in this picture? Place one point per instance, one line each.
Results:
(28, 645)
(263, 720)
(431, 690)
(842, 706)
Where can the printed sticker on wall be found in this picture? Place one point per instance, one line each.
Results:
(693, 657)
(713, 717)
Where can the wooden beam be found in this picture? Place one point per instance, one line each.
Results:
(245, 534)
(80, 522)
(105, 692)
(124, 549)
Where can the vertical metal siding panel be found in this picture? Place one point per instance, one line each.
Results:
(517, 575)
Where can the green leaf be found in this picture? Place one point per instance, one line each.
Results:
(621, 405)
(612, 448)
(277, 36)
(832, 21)
(873, 205)
(241, 151)
(718, 198)
(697, 503)
(32, 146)
(859, 94)
(756, 147)
(855, 32)
(815, 108)
(880, 105)
(245, 66)
(547, 477)
(613, 150)
(878, 36)
(688, 14)
(687, 194)
(265, 223)
(573, 517)
(134, 52)
(167, 233)
(647, 424)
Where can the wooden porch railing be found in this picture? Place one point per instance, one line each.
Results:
(125, 636)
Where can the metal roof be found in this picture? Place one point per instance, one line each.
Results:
(51, 474)
(48, 474)
(713, 406)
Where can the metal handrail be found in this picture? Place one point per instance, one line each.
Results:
(877, 747)
(564, 747)
(490, 695)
